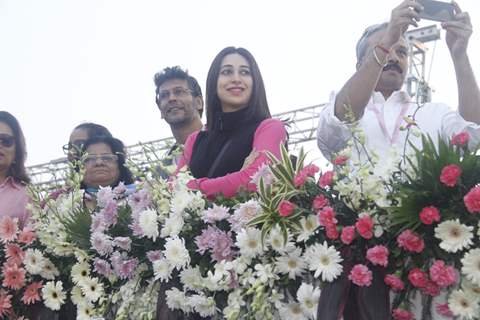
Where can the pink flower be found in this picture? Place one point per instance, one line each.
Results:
(444, 310)
(431, 289)
(300, 179)
(332, 232)
(450, 175)
(31, 294)
(364, 226)
(8, 228)
(26, 236)
(319, 202)
(348, 234)
(154, 255)
(394, 282)
(302, 176)
(14, 253)
(428, 215)
(110, 212)
(286, 208)
(216, 213)
(401, 314)
(5, 303)
(13, 277)
(410, 241)
(102, 267)
(360, 275)
(216, 240)
(460, 139)
(123, 243)
(418, 278)
(340, 160)
(310, 170)
(378, 255)
(442, 275)
(124, 268)
(326, 217)
(472, 200)
(326, 179)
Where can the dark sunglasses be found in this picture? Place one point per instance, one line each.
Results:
(6, 140)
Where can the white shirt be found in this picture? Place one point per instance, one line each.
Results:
(432, 119)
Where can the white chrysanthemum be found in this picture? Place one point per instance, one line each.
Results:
(292, 311)
(205, 306)
(92, 289)
(148, 222)
(80, 272)
(85, 311)
(191, 278)
(471, 266)
(49, 270)
(244, 213)
(463, 305)
(216, 213)
(278, 242)
(172, 226)
(53, 295)
(324, 260)
(76, 295)
(292, 264)
(249, 241)
(309, 225)
(162, 269)
(34, 261)
(454, 236)
(180, 202)
(176, 253)
(308, 297)
(176, 300)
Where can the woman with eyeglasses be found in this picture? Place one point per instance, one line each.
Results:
(13, 175)
(239, 131)
(80, 135)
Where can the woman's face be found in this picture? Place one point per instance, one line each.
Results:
(234, 85)
(75, 143)
(101, 166)
(7, 147)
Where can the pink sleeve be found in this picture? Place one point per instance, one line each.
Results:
(269, 135)
(187, 151)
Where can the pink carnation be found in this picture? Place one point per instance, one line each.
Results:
(340, 160)
(310, 170)
(431, 289)
(378, 255)
(326, 217)
(364, 226)
(460, 139)
(319, 202)
(394, 282)
(348, 234)
(8, 228)
(401, 314)
(442, 275)
(300, 179)
(410, 241)
(450, 175)
(472, 200)
(326, 179)
(286, 208)
(360, 275)
(428, 215)
(418, 278)
(332, 232)
(444, 310)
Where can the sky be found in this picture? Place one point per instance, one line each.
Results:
(64, 62)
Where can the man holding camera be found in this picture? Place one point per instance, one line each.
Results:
(373, 99)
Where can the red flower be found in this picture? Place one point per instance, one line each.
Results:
(431, 289)
(31, 294)
(418, 278)
(300, 179)
(326, 179)
(332, 232)
(310, 170)
(410, 241)
(428, 215)
(394, 282)
(450, 175)
(460, 139)
(326, 217)
(364, 226)
(401, 314)
(472, 200)
(286, 208)
(442, 275)
(340, 160)
(348, 234)
(378, 255)
(361, 275)
(319, 202)
(444, 310)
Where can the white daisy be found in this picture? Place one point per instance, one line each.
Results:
(49, 270)
(324, 260)
(85, 311)
(76, 295)
(205, 306)
(454, 236)
(176, 253)
(278, 242)
(471, 288)
(53, 295)
(148, 222)
(308, 297)
(34, 261)
(292, 311)
(92, 289)
(471, 265)
(162, 269)
(292, 264)
(309, 225)
(463, 304)
(80, 272)
(249, 241)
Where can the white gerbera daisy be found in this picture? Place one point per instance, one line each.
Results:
(148, 222)
(76, 295)
(463, 304)
(85, 311)
(292, 311)
(454, 236)
(249, 241)
(292, 264)
(162, 269)
(265, 272)
(176, 253)
(49, 270)
(80, 272)
(471, 265)
(309, 225)
(205, 306)
(308, 297)
(278, 242)
(53, 295)
(92, 289)
(34, 261)
(471, 288)
(324, 260)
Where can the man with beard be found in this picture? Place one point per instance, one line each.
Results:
(179, 98)
(373, 99)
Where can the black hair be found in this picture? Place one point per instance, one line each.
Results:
(94, 130)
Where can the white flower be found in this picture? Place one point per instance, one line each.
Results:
(277, 241)
(172, 226)
(291, 264)
(244, 213)
(463, 305)
(80, 272)
(49, 270)
(309, 225)
(176, 253)
(53, 295)
(471, 266)
(454, 236)
(162, 269)
(265, 272)
(148, 223)
(191, 278)
(85, 311)
(471, 288)
(308, 297)
(292, 311)
(249, 241)
(216, 213)
(76, 295)
(205, 306)
(180, 202)
(34, 261)
(324, 260)
(176, 299)
(265, 173)
(92, 289)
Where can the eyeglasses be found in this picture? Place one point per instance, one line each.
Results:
(178, 92)
(73, 147)
(105, 158)
(6, 140)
